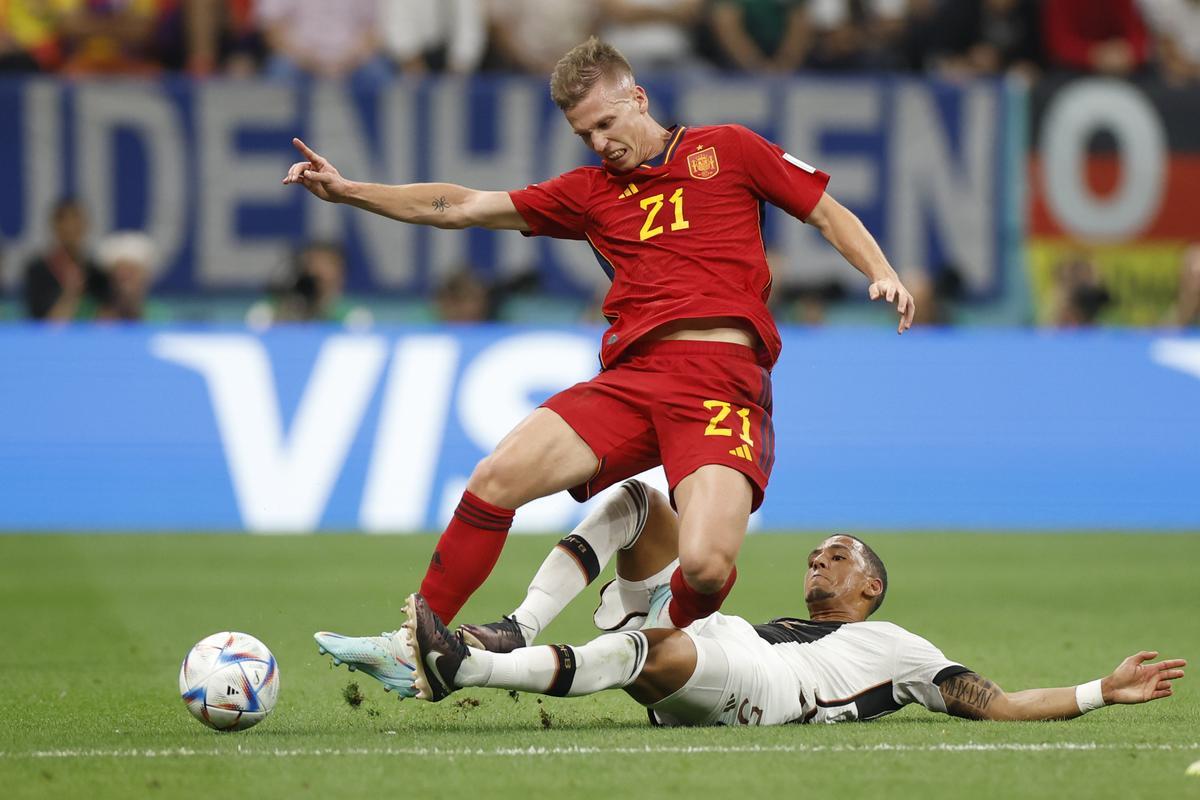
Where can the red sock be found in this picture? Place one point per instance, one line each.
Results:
(688, 605)
(465, 555)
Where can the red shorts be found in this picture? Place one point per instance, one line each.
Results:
(680, 404)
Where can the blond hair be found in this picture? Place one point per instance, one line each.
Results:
(583, 67)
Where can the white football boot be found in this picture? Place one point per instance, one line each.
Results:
(388, 658)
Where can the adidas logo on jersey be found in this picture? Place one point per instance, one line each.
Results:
(630, 191)
(742, 451)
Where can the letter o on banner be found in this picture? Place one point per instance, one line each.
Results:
(1075, 114)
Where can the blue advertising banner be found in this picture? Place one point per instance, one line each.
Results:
(931, 168)
(308, 428)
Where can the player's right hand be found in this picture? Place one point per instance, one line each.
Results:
(316, 174)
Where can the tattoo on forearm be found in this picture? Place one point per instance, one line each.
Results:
(968, 695)
(441, 204)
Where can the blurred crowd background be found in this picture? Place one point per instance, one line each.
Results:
(371, 42)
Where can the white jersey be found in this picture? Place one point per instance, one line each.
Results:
(858, 670)
(793, 670)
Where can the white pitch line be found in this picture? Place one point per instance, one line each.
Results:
(508, 752)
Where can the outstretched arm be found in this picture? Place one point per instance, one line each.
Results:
(442, 205)
(842, 229)
(1134, 681)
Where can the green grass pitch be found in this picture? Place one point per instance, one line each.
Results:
(93, 628)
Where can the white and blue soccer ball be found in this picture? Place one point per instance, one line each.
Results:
(229, 681)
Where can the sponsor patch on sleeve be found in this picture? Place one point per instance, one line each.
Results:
(795, 162)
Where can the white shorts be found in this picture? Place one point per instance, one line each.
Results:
(739, 680)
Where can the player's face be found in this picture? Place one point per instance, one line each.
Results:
(837, 573)
(609, 121)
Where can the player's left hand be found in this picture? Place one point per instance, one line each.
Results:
(1135, 681)
(894, 292)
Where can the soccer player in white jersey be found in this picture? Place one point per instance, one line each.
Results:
(835, 666)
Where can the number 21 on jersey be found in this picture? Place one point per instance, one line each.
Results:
(653, 204)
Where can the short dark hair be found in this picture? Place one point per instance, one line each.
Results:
(877, 569)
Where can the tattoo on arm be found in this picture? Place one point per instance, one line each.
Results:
(968, 695)
(441, 204)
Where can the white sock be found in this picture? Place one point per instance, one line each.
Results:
(581, 555)
(635, 595)
(608, 662)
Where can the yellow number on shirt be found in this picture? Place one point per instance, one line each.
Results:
(653, 204)
(677, 200)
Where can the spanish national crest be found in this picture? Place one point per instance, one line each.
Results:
(703, 163)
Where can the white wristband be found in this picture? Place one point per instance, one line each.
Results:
(1089, 696)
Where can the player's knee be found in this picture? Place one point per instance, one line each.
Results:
(661, 660)
(492, 482)
(670, 661)
(706, 572)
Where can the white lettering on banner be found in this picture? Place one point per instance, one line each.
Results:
(452, 490)
(40, 164)
(810, 111)
(507, 167)
(102, 110)
(338, 132)
(203, 183)
(705, 102)
(502, 385)
(1180, 354)
(282, 482)
(393, 244)
(226, 177)
(741, 101)
(412, 425)
(931, 187)
(1075, 115)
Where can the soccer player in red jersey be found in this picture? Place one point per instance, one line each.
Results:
(673, 215)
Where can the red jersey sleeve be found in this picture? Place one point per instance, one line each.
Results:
(780, 178)
(556, 207)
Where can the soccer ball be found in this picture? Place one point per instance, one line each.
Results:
(229, 681)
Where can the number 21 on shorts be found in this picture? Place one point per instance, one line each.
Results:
(717, 426)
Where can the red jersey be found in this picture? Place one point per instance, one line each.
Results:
(680, 238)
